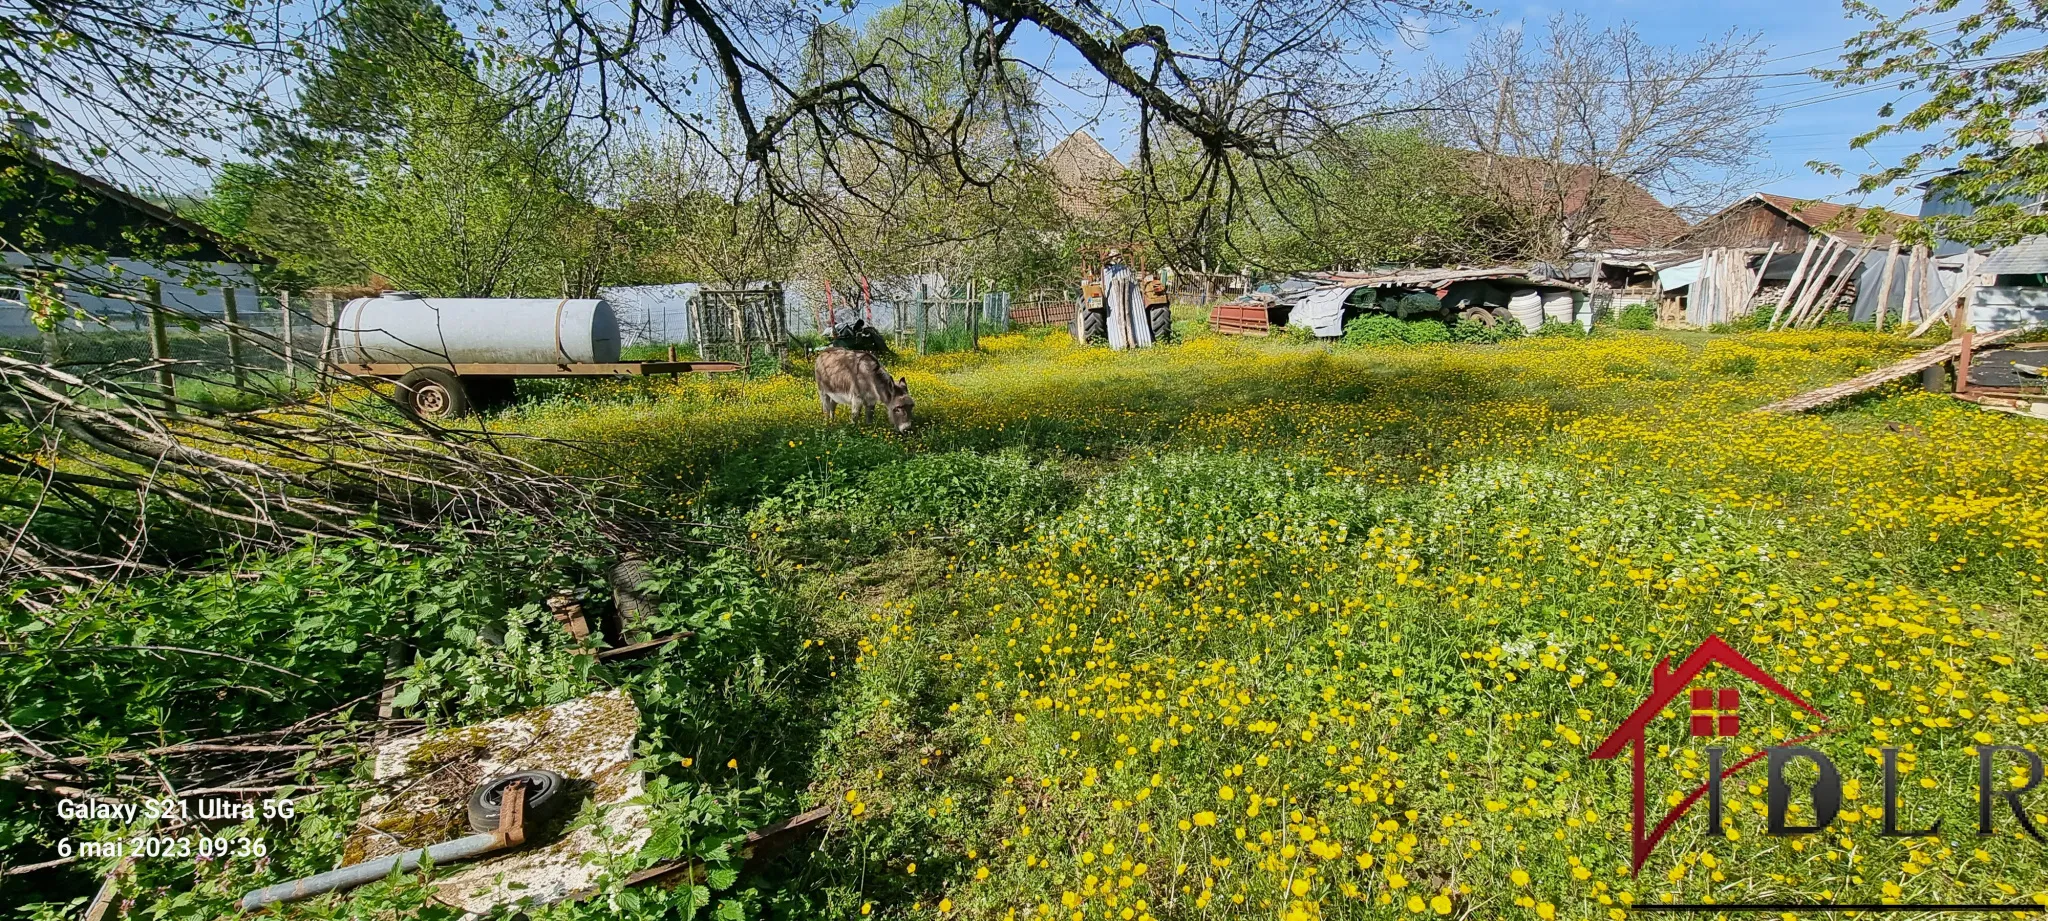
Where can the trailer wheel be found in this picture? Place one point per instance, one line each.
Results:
(432, 393)
(1480, 315)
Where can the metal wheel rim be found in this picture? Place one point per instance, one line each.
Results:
(430, 399)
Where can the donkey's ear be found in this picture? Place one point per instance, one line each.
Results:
(902, 385)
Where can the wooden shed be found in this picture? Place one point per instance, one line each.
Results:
(1762, 219)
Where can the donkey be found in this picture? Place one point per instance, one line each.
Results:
(857, 380)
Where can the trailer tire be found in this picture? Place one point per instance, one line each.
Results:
(1161, 318)
(1479, 315)
(432, 393)
(546, 791)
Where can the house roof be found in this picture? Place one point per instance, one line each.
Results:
(1083, 174)
(1637, 218)
(1439, 278)
(2027, 257)
(101, 214)
(1667, 684)
(1818, 213)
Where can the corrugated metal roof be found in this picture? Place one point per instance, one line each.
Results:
(2026, 257)
(1437, 278)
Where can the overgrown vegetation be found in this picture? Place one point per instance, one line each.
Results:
(1102, 611)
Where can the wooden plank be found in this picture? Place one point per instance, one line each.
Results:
(1884, 290)
(761, 843)
(231, 315)
(1758, 285)
(1864, 382)
(1791, 285)
(1966, 286)
(160, 339)
(1817, 279)
(1826, 304)
(640, 649)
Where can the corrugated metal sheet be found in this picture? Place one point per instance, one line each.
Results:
(2006, 308)
(2027, 257)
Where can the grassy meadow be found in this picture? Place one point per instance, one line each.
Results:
(1244, 629)
(1227, 628)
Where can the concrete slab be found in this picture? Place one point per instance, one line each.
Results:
(425, 781)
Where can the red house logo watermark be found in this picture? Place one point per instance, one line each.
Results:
(1712, 713)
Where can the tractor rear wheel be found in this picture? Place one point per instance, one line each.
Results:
(1161, 317)
(1093, 325)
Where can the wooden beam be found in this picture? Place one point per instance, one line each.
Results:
(1884, 290)
(160, 339)
(1826, 305)
(1792, 284)
(1818, 284)
(1758, 285)
(233, 318)
(1870, 380)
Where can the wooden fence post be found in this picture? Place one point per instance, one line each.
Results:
(284, 310)
(923, 318)
(233, 316)
(160, 339)
(330, 325)
(974, 311)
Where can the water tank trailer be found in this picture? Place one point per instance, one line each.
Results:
(451, 354)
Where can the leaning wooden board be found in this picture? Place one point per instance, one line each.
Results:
(1947, 351)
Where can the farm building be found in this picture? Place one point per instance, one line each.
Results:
(1084, 176)
(1766, 250)
(103, 241)
(1608, 217)
(2014, 289)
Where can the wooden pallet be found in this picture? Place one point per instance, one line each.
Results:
(1814, 399)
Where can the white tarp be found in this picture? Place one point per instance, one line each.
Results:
(1320, 310)
(1678, 276)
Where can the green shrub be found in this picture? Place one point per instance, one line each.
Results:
(1638, 316)
(1473, 331)
(1374, 329)
(1422, 332)
(1553, 328)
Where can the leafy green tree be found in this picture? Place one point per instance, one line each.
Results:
(1370, 196)
(1983, 99)
(469, 200)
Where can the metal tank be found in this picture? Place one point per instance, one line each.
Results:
(402, 327)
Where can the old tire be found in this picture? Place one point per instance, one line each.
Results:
(431, 393)
(1094, 325)
(1161, 318)
(546, 791)
(1479, 315)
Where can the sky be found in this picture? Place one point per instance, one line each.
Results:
(1815, 120)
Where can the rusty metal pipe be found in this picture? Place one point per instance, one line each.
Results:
(370, 871)
(510, 833)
